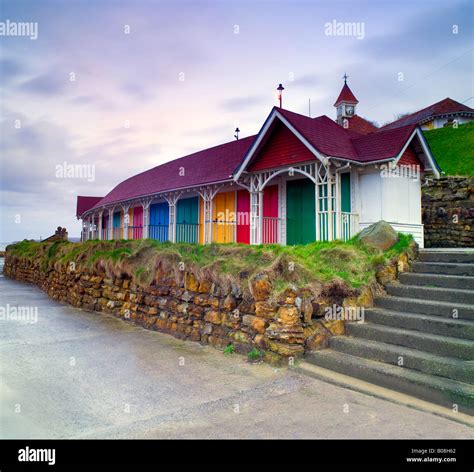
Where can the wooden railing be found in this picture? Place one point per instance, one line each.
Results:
(187, 232)
(349, 225)
(223, 231)
(135, 232)
(158, 232)
(117, 233)
(270, 229)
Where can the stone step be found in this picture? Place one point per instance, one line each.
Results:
(454, 296)
(446, 392)
(443, 268)
(463, 329)
(466, 257)
(462, 371)
(438, 280)
(437, 308)
(434, 343)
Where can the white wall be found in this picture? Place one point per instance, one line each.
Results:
(396, 200)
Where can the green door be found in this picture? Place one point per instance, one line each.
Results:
(187, 220)
(346, 223)
(346, 192)
(300, 211)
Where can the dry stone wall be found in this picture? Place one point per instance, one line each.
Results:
(192, 307)
(448, 212)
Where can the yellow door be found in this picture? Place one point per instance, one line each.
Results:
(223, 217)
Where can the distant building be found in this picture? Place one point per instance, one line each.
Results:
(438, 115)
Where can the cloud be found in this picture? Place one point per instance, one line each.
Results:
(237, 103)
(308, 80)
(138, 91)
(428, 35)
(46, 85)
(10, 69)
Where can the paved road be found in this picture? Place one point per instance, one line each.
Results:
(75, 374)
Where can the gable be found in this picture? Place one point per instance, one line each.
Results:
(282, 148)
(409, 158)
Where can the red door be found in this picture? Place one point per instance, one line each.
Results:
(243, 217)
(137, 232)
(270, 215)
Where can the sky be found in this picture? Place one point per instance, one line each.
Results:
(112, 88)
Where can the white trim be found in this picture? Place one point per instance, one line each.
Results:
(417, 131)
(427, 151)
(261, 135)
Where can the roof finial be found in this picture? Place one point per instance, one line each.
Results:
(345, 77)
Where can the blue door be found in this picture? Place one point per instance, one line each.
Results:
(159, 221)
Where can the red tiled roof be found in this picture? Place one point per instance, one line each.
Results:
(382, 144)
(346, 95)
(85, 203)
(210, 165)
(361, 125)
(218, 163)
(323, 133)
(443, 107)
(332, 140)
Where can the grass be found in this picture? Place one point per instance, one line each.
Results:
(229, 349)
(453, 149)
(303, 265)
(254, 355)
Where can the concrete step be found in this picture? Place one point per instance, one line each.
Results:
(434, 343)
(377, 391)
(466, 257)
(436, 308)
(462, 371)
(437, 280)
(454, 296)
(426, 323)
(443, 268)
(446, 392)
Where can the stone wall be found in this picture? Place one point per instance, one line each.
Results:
(448, 212)
(193, 308)
(246, 314)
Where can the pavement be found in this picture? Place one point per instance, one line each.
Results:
(76, 374)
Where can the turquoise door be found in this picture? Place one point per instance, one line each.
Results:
(346, 223)
(187, 220)
(117, 222)
(159, 221)
(300, 210)
(346, 192)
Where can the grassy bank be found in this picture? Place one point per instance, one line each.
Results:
(453, 149)
(318, 262)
